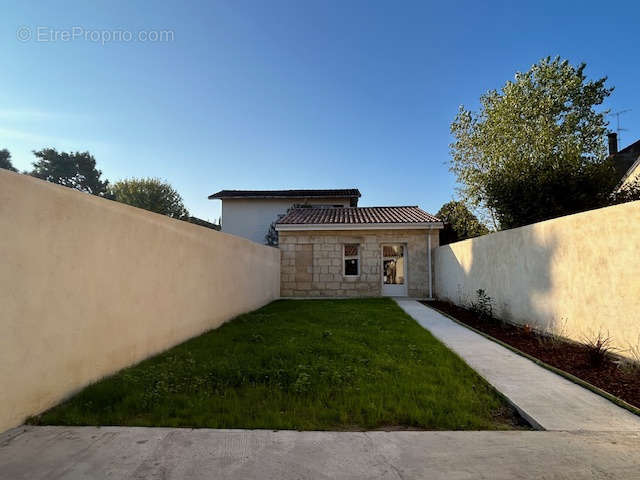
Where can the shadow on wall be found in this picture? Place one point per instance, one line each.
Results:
(89, 286)
(574, 275)
(512, 267)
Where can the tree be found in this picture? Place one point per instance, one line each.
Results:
(151, 194)
(5, 160)
(272, 238)
(76, 170)
(536, 149)
(459, 223)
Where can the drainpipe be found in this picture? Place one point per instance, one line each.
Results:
(429, 261)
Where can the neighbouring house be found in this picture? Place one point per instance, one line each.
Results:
(627, 160)
(357, 251)
(250, 213)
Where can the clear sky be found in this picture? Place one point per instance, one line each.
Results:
(286, 94)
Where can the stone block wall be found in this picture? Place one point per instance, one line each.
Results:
(311, 262)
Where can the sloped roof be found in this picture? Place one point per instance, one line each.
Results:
(626, 160)
(311, 193)
(357, 216)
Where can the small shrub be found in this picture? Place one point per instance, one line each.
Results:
(598, 347)
(483, 306)
(632, 365)
(629, 367)
(634, 351)
(555, 334)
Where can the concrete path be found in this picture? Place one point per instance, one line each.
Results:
(548, 400)
(39, 453)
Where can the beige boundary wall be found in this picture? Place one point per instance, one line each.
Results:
(89, 286)
(574, 275)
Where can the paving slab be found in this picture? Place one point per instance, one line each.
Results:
(38, 453)
(546, 399)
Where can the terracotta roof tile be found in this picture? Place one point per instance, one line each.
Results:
(356, 215)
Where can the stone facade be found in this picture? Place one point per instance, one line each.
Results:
(312, 262)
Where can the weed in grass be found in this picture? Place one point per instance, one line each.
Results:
(257, 338)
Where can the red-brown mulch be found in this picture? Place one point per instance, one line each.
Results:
(571, 357)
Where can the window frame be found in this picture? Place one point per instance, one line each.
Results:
(350, 257)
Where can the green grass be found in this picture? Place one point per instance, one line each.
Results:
(297, 364)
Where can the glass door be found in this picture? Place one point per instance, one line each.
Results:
(394, 270)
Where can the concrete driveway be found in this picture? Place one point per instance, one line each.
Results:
(50, 453)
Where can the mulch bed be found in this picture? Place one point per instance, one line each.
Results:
(571, 357)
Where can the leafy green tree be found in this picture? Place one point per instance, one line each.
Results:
(536, 148)
(151, 194)
(75, 170)
(5, 160)
(459, 223)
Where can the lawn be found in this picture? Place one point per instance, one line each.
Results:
(298, 364)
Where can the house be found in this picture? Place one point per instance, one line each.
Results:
(626, 161)
(250, 213)
(357, 251)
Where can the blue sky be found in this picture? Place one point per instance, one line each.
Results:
(295, 94)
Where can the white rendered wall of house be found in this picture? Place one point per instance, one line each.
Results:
(251, 218)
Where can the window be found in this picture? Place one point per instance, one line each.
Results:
(351, 260)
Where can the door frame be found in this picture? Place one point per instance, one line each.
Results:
(405, 256)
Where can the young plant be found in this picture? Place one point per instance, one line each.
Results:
(483, 305)
(555, 334)
(631, 365)
(599, 346)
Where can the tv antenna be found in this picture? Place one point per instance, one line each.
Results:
(618, 127)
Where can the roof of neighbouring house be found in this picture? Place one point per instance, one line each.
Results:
(357, 216)
(329, 193)
(626, 160)
(204, 223)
